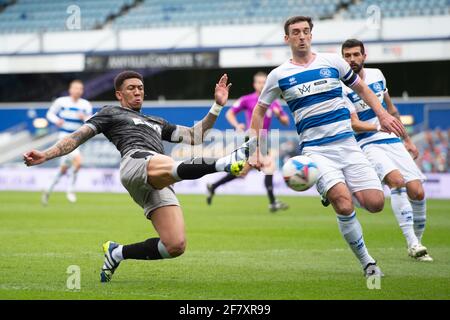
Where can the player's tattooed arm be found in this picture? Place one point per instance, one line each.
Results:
(69, 143)
(62, 147)
(195, 135)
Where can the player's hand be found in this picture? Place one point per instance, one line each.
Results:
(391, 124)
(60, 122)
(240, 127)
(412, 149)
(276, 112)
(247, 168)
(284, 120)
(221, 91)
(34, 157)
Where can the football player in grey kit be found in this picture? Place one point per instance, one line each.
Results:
(145, 171)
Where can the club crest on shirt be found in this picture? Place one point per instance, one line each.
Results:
(325, 73)
(377, 87)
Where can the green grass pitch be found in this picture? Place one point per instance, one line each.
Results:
(236, 250)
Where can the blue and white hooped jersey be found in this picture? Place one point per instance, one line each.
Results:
(68, 110)
(375, 80)
(314, 96)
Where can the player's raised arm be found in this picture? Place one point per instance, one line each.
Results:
(62, 147)
(195, 134)
(387, 121)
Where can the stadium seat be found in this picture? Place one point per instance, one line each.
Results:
(48, 15)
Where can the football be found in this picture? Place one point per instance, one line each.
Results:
(300, 173)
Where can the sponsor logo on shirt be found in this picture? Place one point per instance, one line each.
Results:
(138, 121)
(318, 83)
(305, 88)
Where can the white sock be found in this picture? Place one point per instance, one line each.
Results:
(223, 162)
(72, 180)
(55, 181)
(419, 208)
(237, 155)
(117, 253)
(351, 230)
(163, 250)
(404, 213)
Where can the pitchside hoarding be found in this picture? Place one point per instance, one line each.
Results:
(108, 180)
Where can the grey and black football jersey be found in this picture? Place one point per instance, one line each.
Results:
(128, 129)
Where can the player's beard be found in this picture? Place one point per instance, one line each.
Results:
(357, 67)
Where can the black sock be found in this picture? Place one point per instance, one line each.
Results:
(229, 177)
(268, 182)
(147, 250)
(196, 168)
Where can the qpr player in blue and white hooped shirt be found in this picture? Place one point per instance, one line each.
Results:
(310, 83)
(386, 152)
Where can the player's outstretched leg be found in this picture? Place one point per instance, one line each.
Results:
(168, 222)
(110, 263)
(163, 171)
(150, 249)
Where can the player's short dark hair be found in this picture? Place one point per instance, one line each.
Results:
(296, 19)
(124, 75)
(351, 43)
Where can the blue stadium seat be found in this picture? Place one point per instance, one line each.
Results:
(400, 8)
(31, 15)
(228, 12)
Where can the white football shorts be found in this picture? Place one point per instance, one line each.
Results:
(388, 157)
(343, 161)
